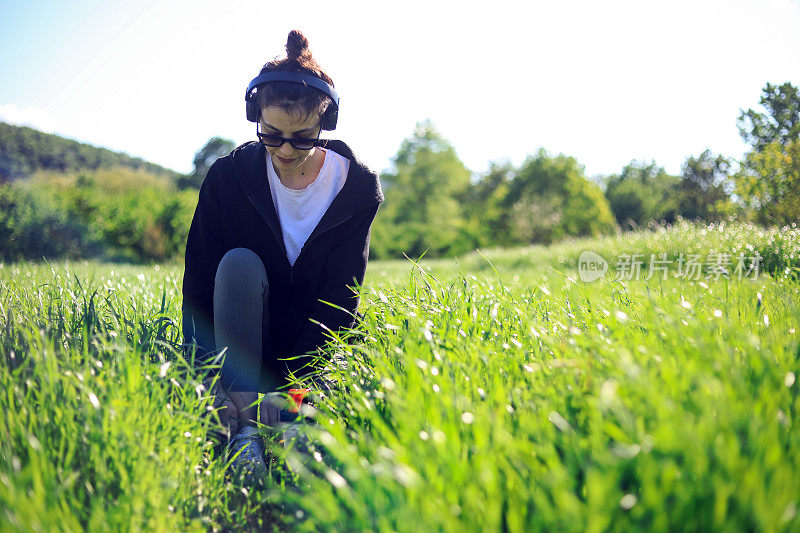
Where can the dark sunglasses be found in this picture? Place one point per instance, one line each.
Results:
(276, 141)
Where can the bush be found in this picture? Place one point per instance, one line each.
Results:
(32, 226)
(109, 214)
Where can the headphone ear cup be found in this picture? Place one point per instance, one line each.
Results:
(251, 109)
(330, 117)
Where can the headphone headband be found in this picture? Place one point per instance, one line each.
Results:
(294, 77)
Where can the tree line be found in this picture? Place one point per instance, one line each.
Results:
(434, 204)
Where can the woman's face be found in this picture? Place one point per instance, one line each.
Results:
(276, 121)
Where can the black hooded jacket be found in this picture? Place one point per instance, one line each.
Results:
(235, 209)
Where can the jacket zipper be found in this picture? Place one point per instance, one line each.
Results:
(279, 238)
(308, 243)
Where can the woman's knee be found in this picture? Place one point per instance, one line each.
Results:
(241, 267)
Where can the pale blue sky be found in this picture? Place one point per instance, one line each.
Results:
(605, 82)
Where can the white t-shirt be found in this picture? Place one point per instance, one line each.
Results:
(300, 210)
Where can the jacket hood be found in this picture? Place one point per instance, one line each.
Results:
(361, 189)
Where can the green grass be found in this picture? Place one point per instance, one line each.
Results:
(494, 392)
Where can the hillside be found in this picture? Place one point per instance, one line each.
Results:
(24, 150)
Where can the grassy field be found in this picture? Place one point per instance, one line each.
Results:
(496, 392)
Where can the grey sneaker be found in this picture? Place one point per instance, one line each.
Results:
(247, 449)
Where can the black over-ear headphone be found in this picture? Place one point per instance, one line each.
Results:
(329, 117)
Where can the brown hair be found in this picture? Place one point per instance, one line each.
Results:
(293, 97)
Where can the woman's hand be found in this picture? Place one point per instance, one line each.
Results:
(228, 414)
(270, 408)
(226, 408)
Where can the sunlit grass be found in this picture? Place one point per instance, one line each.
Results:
(494, 392)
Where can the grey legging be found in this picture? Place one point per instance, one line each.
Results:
(241, 289)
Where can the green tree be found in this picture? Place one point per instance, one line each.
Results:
(550, 198)
(641, 193)
(485, 206)
(779, 124)
(422, 211)
(215, 148)
(768, 182)
(703, 189)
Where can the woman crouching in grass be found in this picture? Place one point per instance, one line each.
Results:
(282, 226)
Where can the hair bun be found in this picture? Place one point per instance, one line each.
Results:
(297, 46)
